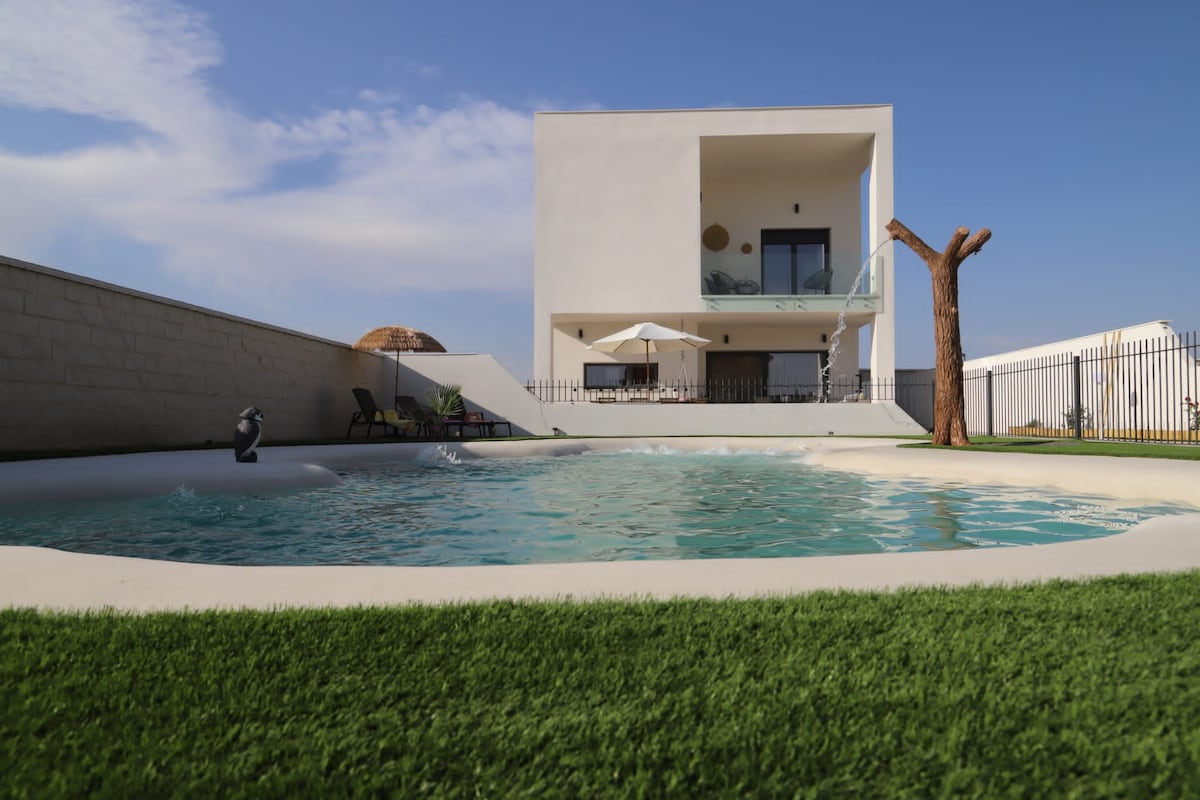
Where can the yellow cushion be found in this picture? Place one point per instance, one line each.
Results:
(393, 418)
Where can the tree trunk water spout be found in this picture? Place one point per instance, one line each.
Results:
(949, 413)
(836, 338)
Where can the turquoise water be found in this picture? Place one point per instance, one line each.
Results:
(651, 504)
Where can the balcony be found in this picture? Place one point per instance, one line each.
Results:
(723, 292)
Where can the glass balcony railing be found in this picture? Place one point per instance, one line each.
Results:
(722, 290)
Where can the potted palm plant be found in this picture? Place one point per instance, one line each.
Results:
(445, 403)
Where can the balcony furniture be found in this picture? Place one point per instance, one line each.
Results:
(724, 283)
(721, 283)
(819, 281)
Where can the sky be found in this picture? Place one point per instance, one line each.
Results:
(331, 167)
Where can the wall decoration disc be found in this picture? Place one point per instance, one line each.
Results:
(747, 247)
(715, 238)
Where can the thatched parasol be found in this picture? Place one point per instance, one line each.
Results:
(397, 339)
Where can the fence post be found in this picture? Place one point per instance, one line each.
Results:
(1077, 391)
(987, 389)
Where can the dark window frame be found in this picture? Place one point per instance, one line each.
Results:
(629, 375)
(793, 237)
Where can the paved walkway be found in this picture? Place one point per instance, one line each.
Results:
(45, 578)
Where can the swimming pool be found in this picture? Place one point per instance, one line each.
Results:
(643, 503)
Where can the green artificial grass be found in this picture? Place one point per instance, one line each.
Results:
(1073, 447)
(1063, 689)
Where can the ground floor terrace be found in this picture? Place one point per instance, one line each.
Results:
(52, 579)
(780, 354)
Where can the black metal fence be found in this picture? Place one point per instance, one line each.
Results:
(712, 391)
(1144, 391)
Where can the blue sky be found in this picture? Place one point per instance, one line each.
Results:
(331, 167)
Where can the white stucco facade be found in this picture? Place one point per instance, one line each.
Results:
(622, 204)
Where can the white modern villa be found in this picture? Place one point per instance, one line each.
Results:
(747, 227)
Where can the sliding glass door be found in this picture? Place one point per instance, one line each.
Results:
(789, 256)
(765, 376)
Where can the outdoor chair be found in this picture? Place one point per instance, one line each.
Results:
(419, 415)
(483, 424)
(472, 419)
(369, 414)
(724, 283)
(457, 420)
(476, 421)
(819, 281)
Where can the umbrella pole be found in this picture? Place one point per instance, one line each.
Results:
(647, 369)
(396, 385)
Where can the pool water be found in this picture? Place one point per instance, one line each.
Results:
(652, 503)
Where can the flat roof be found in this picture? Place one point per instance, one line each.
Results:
(847, 107)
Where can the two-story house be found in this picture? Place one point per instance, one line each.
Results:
(748, 227)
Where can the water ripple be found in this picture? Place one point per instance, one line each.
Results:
(651, 502)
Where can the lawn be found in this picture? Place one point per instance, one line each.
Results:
(1062, 689)
(1073, 447)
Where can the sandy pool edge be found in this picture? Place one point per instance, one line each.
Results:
(51, 579)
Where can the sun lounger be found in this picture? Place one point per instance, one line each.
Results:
(410, 409)
(476, 421)
(370, 414)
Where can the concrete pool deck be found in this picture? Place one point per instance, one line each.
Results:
(52, 579)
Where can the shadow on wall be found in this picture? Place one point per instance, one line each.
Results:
(486, 386)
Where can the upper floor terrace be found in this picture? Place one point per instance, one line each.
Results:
(860, 291)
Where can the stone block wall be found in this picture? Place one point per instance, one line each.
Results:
(86, 364)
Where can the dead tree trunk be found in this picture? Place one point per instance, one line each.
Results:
(949, 412)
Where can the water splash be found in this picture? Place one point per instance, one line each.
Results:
(438, 456)
(651, 450)
(183, 498)
(718, 451)
(841, 320)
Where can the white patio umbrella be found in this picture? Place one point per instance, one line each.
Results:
(650, 337)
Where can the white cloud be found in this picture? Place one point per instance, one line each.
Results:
(379, 98)
(114, 59)
(413, 198)
(426, 71)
